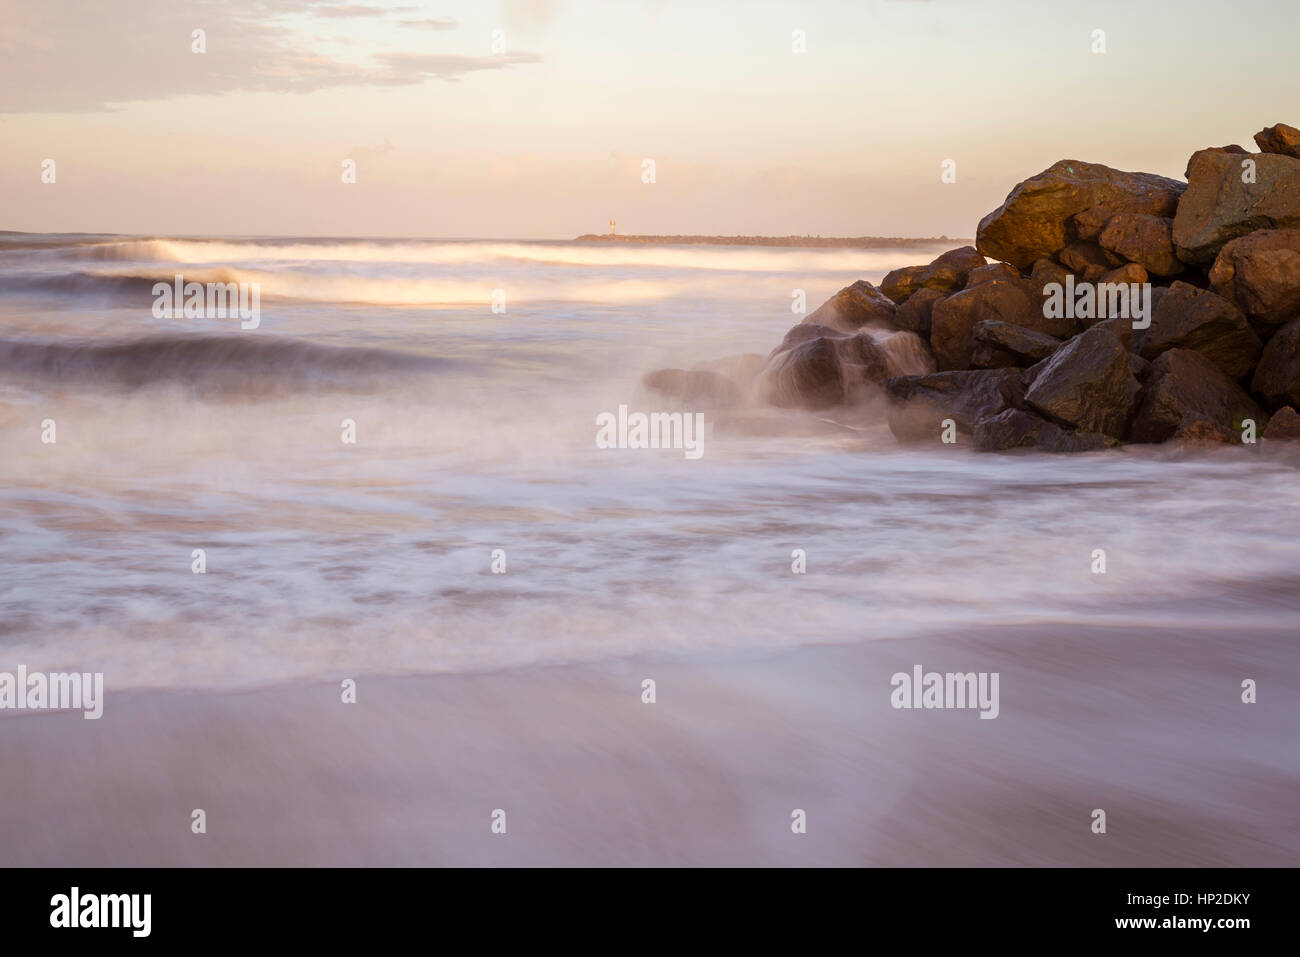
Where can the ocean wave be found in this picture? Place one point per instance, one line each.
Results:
(234, 366)
(434, 253)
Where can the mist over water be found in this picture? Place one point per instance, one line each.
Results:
(475, 431)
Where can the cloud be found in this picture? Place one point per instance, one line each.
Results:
(437, 23)
(411, 67)
(62, 56)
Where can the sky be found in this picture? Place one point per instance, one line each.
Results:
(534, 118)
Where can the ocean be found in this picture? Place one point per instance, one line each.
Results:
(474, 525)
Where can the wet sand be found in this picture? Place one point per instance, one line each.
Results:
(1147, 725)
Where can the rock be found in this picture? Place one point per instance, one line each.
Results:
(1128, 274)
(1122, 327)
(1188, 397)
(1087, 260)
(1234, 148)
(1260, 274)
(1037, 220)
(1218, 207)
(990, 272)
(809, 376)
(694, 387)
(805, 331)
(831, 370)
(1014, 301)
(1026, 345)
(987, 356)
(854, 307)
(1145, 240)
(906, 353)
(1280, 138)
(1017, 429)
(948, 273)
(1088, 383)
(919, 404)
(1197, 319)
(1284, 424)
(1277, 378)
(914, 314)
(953, 320)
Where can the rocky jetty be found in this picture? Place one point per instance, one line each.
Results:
(1097, 307)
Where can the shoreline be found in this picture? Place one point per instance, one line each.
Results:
(1145, 724)
(792, 242)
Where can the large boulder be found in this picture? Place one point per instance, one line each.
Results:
(1277, 378)
(1017, 429)
(1187, 396)
(948, 273)
(855, 307)
(1088, 384)
(952, 330)
(1279, 138)
(1197, 319)
(914, 315)
(1143, 239)
(825, 370)
(1038, 218)
(1260, 274)
(1219, 205)
(919, 404)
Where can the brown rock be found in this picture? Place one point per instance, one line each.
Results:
(1218, 207)
(1277, 378)
(1025, 345)
(948, 273)
(1280, 138)
(1128, 274)
(953, 320)
(1146, 240)
(854, 307)
(987, 356)
(1082, 258)
(1197, 319)
(1019, 302)
(805, 331)
(1088, 384)
(990, 272)
(1037, 220)
(1283, 424)
(1187, 396)
(914, 314)
(1233, 149)
(809, 376)
(1260, 274)
(1017, 429)
(919, 404)
(1046, 272)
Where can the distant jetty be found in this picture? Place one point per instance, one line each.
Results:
(823, 242)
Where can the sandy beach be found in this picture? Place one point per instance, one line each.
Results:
(1147, 725)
